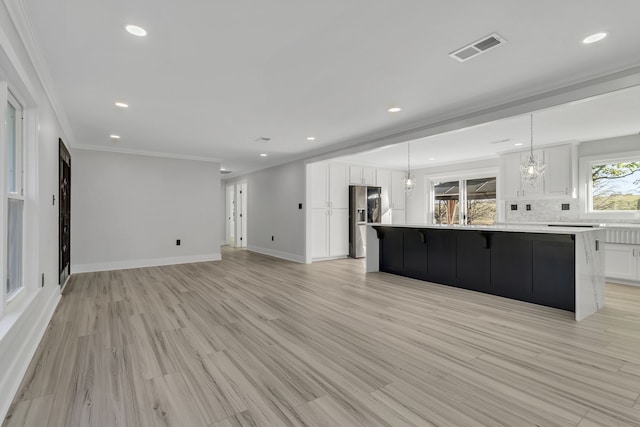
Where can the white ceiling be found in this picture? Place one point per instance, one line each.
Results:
(605, 116)
(212, 76)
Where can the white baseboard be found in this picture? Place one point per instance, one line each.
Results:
(278, 254)
(19, 344)
(622, 281)
(141, 263)
(329, 258)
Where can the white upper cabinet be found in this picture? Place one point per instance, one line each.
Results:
(510, 176)
(397, 190)
(359, 175)
(557, 181)
(339, 185)
(369, 176)
(329, 185)
(319, 180)
(355, 175)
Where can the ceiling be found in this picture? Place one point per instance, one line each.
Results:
(211, 77)
(600, 117)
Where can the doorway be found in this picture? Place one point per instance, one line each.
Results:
(236, 214)
(64, 214)
(241, 215)
(230, 214)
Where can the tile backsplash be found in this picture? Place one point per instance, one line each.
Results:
(542, 210)
(551, 210)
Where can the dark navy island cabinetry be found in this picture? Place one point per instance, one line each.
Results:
(533, 266)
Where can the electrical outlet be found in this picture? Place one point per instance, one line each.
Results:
(273, 238)
(299, 205)
(565, 206)
(178, 242)
(514, 207)
(528, 207)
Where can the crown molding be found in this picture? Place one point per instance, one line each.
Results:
(146, 153)
(21, 21)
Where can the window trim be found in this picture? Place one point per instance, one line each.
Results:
(19, 194)
(19, 108)
(461, 175)
(586, 185)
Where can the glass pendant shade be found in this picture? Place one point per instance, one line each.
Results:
(532, 169)
(409, 180)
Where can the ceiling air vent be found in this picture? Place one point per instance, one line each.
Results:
(477, 47)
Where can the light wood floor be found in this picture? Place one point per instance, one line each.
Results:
(256, 341)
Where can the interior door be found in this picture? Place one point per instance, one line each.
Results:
(231, 213)
(64, 214)
(241, 212)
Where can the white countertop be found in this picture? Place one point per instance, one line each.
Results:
(514, 228)
(596, 224)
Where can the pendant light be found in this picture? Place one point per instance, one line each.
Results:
(531, 169)
(409, 179)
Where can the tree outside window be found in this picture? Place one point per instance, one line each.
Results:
(616, 186)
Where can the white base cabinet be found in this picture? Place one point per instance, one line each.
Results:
(338, 232)
(319, 233)
(622, 262)
(329, 233)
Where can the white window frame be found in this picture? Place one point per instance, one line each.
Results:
(586, 186)
(20, 188)
(460, 176)
(30, 226)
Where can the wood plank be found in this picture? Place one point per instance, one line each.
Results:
(257, 341)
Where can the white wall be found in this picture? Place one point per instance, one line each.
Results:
(273, 197)
(620, 144)
(128, 210)
(24, 320)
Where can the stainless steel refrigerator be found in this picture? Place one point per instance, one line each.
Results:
(364, 207)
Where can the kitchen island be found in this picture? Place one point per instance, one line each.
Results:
(560, 267)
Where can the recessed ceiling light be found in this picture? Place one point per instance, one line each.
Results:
(594, 38)
(311, 138)
(394, 109)
(112, 136)
(222, 169)
(432, 158)
(263, 155)
(136, 31)
(517, 144)
(121, 105)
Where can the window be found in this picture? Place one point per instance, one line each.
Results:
(15, 194)
(615, 186)
(474, 205)
(446, 201)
